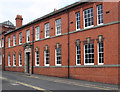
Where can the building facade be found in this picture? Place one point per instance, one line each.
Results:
(4, 28)
(79, 41)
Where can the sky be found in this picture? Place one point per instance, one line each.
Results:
(29, 9)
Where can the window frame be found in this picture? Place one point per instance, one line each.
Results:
(77, 21)
(58, 26)
(28, 35)
(45, 58)
(20, 38)
(37, 33)
(90, 17)
(102, 53)
(100, 14)
(0, 43)
(9, 60)
(85, 54)
(14, 40)
(77, 55)
(9, 42)
(47, 28)
(36, 58)
(14, 60)
(20, 60)
(56, 58)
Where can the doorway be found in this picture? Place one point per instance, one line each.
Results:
(27, 62)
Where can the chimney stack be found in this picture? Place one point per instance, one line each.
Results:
(18, 21)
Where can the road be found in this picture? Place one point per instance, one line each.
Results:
(20, 81)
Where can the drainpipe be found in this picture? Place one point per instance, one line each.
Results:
(32, 47)
(68, 46)
(4, 54)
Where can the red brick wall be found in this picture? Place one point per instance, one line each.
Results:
(110, 35)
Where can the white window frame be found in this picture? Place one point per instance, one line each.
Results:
(14, 40)
(36, 58)
(58, 25)
(9, 43)
(47, 30)
(84, 57)
(0, 58)
(20, 60)
(45, 58)
(37, 33)
(2, 42)
(14, 59)
(77, 21)
(9, 60)
(99, 14)
(98, 54)
(28, 35)
(20, 38)
(56, 58)
(90, 17)
(77, 55)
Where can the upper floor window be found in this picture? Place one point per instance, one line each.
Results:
(88, 17)
(20, 59)
(14, 40)
(58, 26)
(99, 14)
(14, 60)
(20, 38)
(77, 20)
(37, 58)
(9, 60)
(46, 30)
(9, 42)
(89, 54)
(28, 35)
(37, 33)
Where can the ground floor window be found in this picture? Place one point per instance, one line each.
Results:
(20, 59)
(100, 53)
(37, 58)
(14, 60)
(78, 55)
(46, 57)
(89, 54)
(9, 60)
(58, 56)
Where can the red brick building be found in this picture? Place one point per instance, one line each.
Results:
(79, 41)
(4, 27)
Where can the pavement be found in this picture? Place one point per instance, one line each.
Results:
(16, 81)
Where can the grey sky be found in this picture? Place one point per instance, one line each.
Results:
(29, 9)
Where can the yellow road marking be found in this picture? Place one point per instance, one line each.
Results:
(73, 83)
(28, 85)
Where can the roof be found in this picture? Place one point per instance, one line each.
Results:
(8, 23)
(51, 14)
